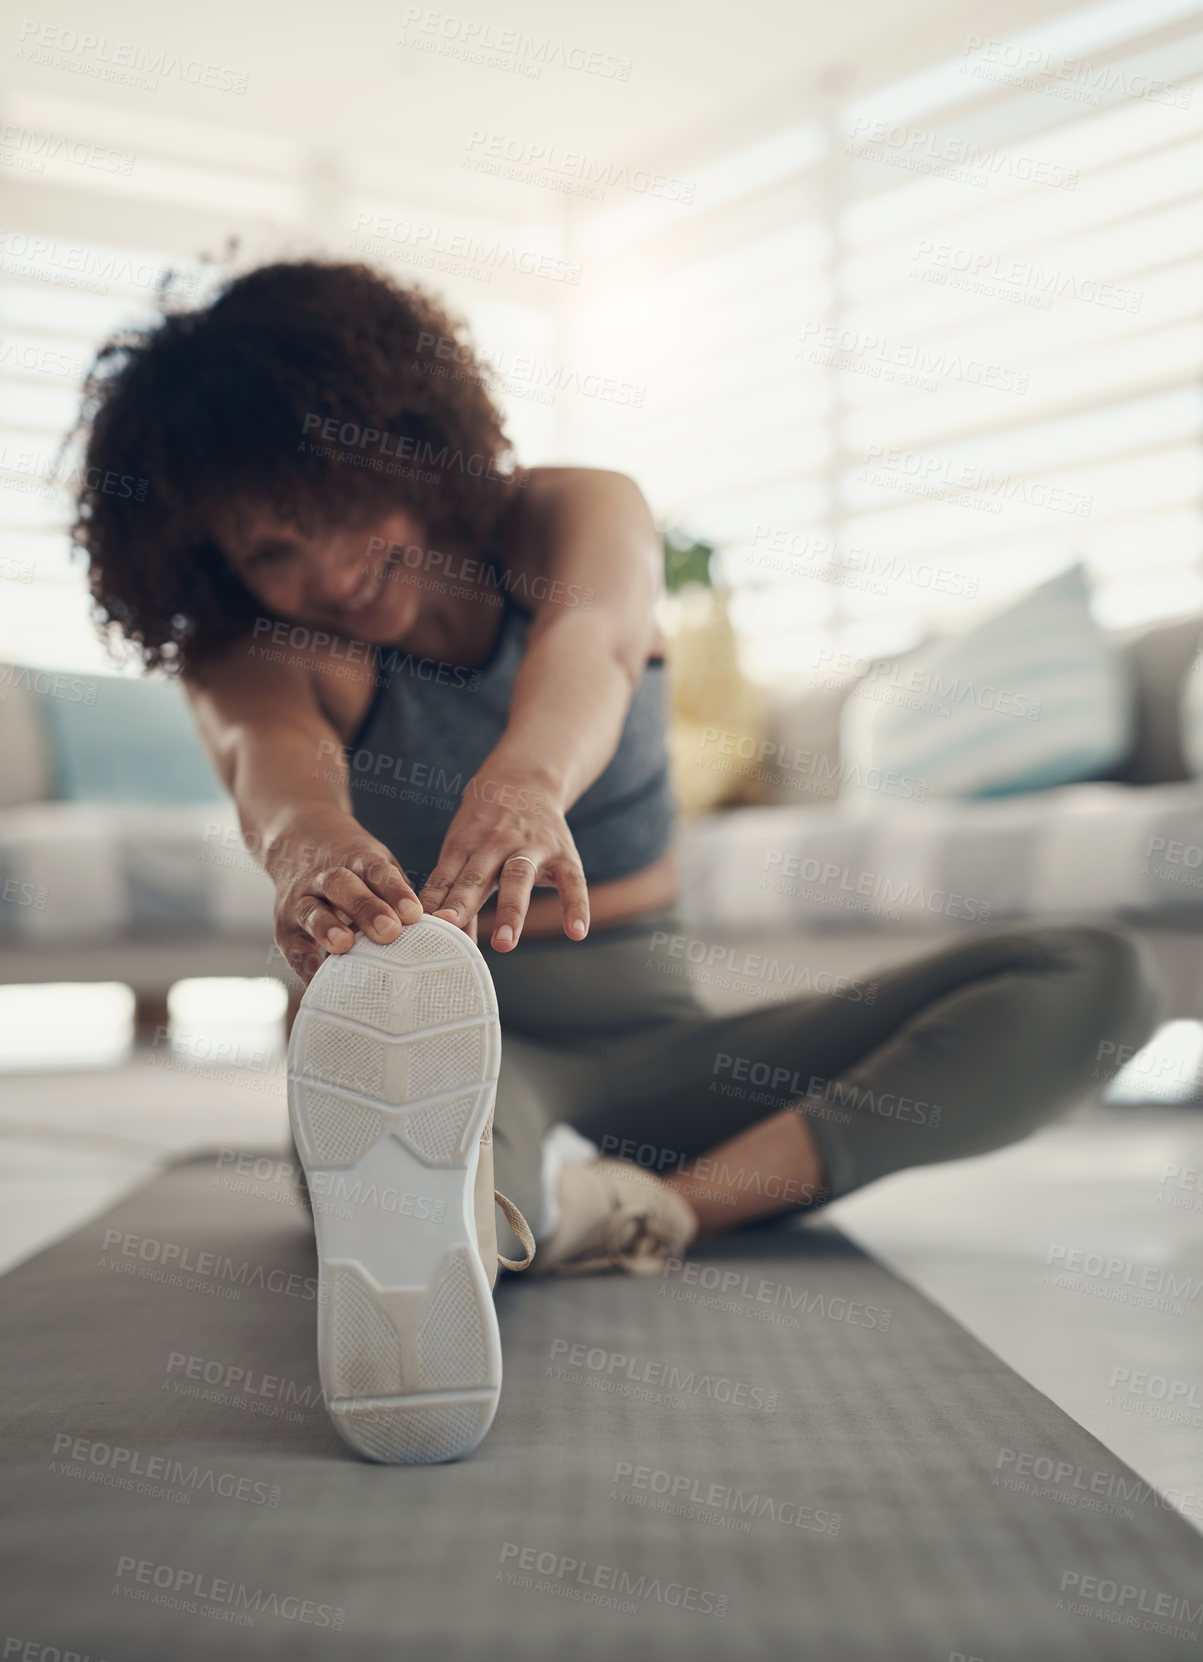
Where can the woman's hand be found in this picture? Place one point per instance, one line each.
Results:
(332, 878)
(508, 835)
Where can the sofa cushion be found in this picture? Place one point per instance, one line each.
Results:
(717, 713)
(1095, 850)
(83, 873)
(26, 765)
(1159, 659)
(133, 740)
(1032, 697)
(1190, 723)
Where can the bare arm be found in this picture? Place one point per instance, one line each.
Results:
(589, 551)
(597, 545)
(284, 765)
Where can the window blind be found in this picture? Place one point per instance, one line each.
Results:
(103, 201)
(952, 344)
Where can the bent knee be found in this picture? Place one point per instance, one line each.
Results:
(1109, 978)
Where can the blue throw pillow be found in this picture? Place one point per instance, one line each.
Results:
(120, 740)
(1033, 696)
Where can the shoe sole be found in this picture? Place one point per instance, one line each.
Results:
(392, 1072)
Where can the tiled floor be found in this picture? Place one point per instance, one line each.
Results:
(991, 1240)
(77, 1141)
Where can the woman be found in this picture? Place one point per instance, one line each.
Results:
(433, 683)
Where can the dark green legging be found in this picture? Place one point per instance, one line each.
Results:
(952, 1054)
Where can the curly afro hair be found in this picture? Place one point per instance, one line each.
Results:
(320, 390)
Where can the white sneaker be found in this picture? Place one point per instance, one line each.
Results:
(615, 1216)
(392, 1070)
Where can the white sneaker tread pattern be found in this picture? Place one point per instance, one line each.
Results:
(392, 1071)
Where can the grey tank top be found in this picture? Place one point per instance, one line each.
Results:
(431, 725)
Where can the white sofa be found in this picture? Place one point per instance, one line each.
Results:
(147, 893)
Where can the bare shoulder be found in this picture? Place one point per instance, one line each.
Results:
(287, 671)
(585, 537)
(549, 487)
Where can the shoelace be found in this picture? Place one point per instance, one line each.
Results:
(520, 1227)
(512, 1215)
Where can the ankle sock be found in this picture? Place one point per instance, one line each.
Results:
(562, 1146)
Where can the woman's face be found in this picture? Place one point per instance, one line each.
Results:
(343, 580)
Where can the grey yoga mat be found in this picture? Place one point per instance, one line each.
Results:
(776, 1450)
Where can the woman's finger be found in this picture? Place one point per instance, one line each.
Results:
(299, 953)
(473, 886)
(323, 926)
(569, 878)
(514, 887)
(438, 885)
(386, 879)
(350, 894)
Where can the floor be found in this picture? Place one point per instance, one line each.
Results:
(1076, 1256)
